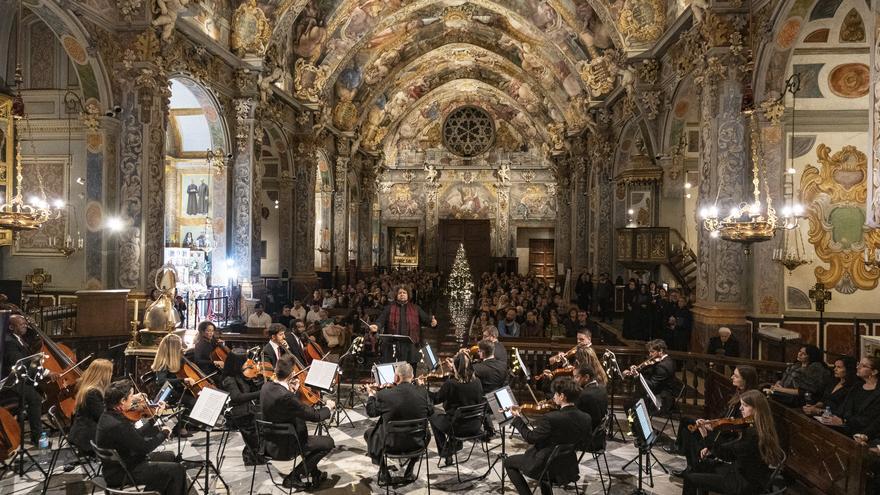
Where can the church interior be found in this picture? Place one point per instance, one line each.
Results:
(676, 202)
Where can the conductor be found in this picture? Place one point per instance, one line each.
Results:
(402, 317)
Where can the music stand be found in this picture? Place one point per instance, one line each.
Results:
(500, 401)
(397, 342)
(19, 370)
(614, 374)
(210, 405)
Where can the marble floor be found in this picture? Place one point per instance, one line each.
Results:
(350, 470)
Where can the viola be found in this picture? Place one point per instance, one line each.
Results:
(564, 371)
(724, 422)
(306, 394)
(644, 364)
(11, 437)
(253, 369)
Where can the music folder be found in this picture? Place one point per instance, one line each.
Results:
(395, 339)
(384, 373)
(500, 401)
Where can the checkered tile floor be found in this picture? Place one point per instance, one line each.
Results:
(350, 470)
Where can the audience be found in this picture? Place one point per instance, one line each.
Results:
(808, 375)
(725, 344)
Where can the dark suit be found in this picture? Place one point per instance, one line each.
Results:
(729, 348)
(242, 394)
(500, 353)
(280, 405)
(568, 425)
(594, 401)
(454, 394)
(159, 471)
(85, 421)
(296, 347)
(268, 353)
(492, 374)
(399, 403)
(661, 378)
(747, 474)
(31, 399)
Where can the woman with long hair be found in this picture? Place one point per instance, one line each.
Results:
(749, 456)
(689, 444)
(461, 389)
(243, 394)
(587, 356)
(860, 409)
(166, 364)
(808, 374)
(89, 404)
(836, 391)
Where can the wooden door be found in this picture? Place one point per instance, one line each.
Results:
(476, 238)
(542, 259)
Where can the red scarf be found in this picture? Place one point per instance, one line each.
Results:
(412, 320)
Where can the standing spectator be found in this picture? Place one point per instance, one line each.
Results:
(605, 297)
(584, 290)
(630, 320)
(684, 324)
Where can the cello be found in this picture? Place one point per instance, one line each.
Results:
(60, 385)
(189, 370)
(10, 437)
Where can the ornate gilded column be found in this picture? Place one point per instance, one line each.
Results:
(247, 177)
(721, 283)
(305, 163)
(285, 222)
(340, 217)
(581, 215)
(873, 147)
(563, 212)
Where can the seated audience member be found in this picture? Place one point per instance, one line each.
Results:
(836, 391)
(747, 459)
(860, 410)
(159, 471)
(725, 344)
(313, 315)
(259, 319)
(89, 404)
(462, 389)
(690, 444)
(808, 374)
(285, 318)
(405, 401)
(508, 327)
(568, 425)
(554, 330)
(298, 311)
(531, 327)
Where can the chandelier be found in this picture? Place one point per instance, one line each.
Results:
(753, 221)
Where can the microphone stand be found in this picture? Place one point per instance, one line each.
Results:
(614, 373)
(20, 372)
(339, 411)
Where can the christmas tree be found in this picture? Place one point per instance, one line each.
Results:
(461, 291)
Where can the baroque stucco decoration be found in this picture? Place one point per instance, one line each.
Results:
(642, 21)
(250, 29)
(835, 196)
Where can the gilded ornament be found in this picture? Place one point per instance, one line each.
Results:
(649, 71)
(599, 74)
(250, 29)
(642, 20)
(309, 80)
(651, 104)
(715, 30)
(128, 8)
(773, 110)
(345, 115)
(166, 18)
(557, 135)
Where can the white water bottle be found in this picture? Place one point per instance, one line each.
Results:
(44, 441)
(827, 414)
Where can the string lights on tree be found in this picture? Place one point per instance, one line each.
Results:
(460, 288)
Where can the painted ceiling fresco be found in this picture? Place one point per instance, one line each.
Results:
(372, 62)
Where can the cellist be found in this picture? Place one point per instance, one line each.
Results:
(15, 349)
(205, 346)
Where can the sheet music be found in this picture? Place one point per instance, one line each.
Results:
(522, 365)
(209, 406)
(650, 392)
(429, 356)
(321, 374)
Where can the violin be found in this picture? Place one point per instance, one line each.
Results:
(140, 409)
(644, 364)
(11, 437)
(539, 408)
(253, 369)
(722, 422)
(567, 355)
(564, 371)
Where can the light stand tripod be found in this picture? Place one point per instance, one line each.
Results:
(339, 411)
(20, 370)
(614, 373)
(500, 457)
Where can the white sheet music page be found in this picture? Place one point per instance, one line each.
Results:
(321, 374)
(209, 406)
(650, 392)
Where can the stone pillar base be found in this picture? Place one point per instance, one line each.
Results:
(303, 284)
(707, 320)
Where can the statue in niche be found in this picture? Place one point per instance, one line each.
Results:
(504, 174)
(431, 174)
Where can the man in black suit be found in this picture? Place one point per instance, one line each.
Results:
(294, 338)
(491, 334)
(159, 471)
(568, 425)
(279, 404)
(16, 348)
(404, 401)
(725, 344)
(659, 375)
(491, 371)
(593, 398)
(277, 345)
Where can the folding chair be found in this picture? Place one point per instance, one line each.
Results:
(776, 484)
(101, 483)
(595, 446)
(674, 410)
(416, 430)
(558, 451)
(58, 422)
(111, 455)
(468, 415)
(275, 429)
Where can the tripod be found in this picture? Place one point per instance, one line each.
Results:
(614, 374)
(20, 371)
(207, 466)
(500, 457)
(646, 452)
(339, 411)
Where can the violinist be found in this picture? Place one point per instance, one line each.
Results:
(205, 345)
(491, 371)
(689, 444)
(277, 345)
(659, 373)
(159, 471)
(593, 398)
(16, 348)
(460, 390)
(584, 341)
(243, 392)
(89, 404)
(490, 333)
(166, 364)
(404, 401)
(747, 458)
(280, 404)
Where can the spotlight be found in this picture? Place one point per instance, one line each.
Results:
(115, 224)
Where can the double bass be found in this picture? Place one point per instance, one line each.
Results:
(10, 439)
(60, 386)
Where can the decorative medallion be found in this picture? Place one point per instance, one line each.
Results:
(642, 20)
(345, 115)
(74, 50)
(309, 80)
(250, 29)
(788, 33)
(850, 80)
(468, 131)
(599, 75)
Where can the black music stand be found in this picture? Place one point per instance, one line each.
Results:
(502, 415)
(336, 417)
(209, 407)
(397, 343)
(20, 372)
(614, 376)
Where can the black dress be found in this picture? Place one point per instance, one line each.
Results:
(85, 421)
(746, 474)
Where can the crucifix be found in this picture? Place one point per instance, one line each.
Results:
(820, 296)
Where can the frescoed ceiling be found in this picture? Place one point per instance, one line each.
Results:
(380, 65)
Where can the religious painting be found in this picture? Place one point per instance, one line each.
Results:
(195, 236)
(835, 196)
(463, 201)
(402, 201)
(641, 204)
(532, 201)
(45, 178)
(404, 246)
(195, 195)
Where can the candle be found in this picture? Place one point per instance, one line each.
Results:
(135, 318)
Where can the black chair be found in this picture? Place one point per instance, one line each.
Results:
(101, 483)
(275, 429)
(595, 445)
(558, 451)
(59, 423)
(415, 429)
(112, 456)
(673, 411)
(776, 484)
(468, 415)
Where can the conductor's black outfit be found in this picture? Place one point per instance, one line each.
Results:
(280, 405)
(402, 319)
(159, 471)
(568, 425)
